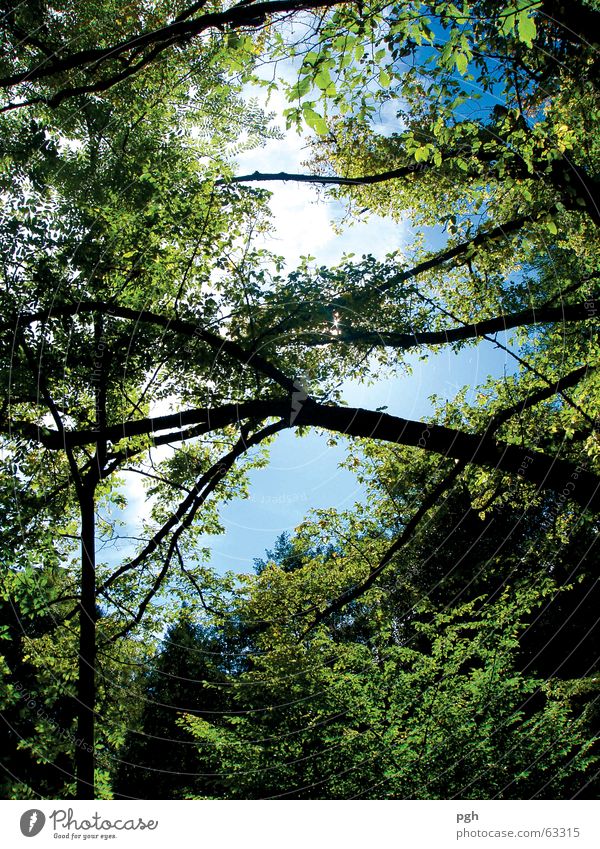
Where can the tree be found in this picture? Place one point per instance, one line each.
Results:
(82, 237)
(430, 684)
(188, 675)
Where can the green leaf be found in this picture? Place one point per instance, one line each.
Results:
(461, 62)
(323, 79)
(526, 28)
(315, 121)
(384, 78)
(507, 22)
(300, 89)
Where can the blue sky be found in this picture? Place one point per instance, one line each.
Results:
(304, 473)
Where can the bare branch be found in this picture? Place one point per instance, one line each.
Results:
(190, 505)
(430, 500)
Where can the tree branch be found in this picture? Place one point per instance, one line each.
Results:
(567, 478)
(569, 380)
(206, 420)
(186, 328)
(285, 177)
(430, 500)
(480, 449)
(178, 32)
(190, 505)
(497, 324)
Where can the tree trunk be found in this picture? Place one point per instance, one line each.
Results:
(86, 691)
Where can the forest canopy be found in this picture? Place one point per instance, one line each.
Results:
(436, 639)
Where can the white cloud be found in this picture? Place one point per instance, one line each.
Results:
(302, 214)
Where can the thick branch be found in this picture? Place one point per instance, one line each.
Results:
(285, 177)
(564, 477)
(434, 495)
(177, 325)
(206, 420)
(572, 181)
(532, 466)
(180, 31)
(539, 315)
